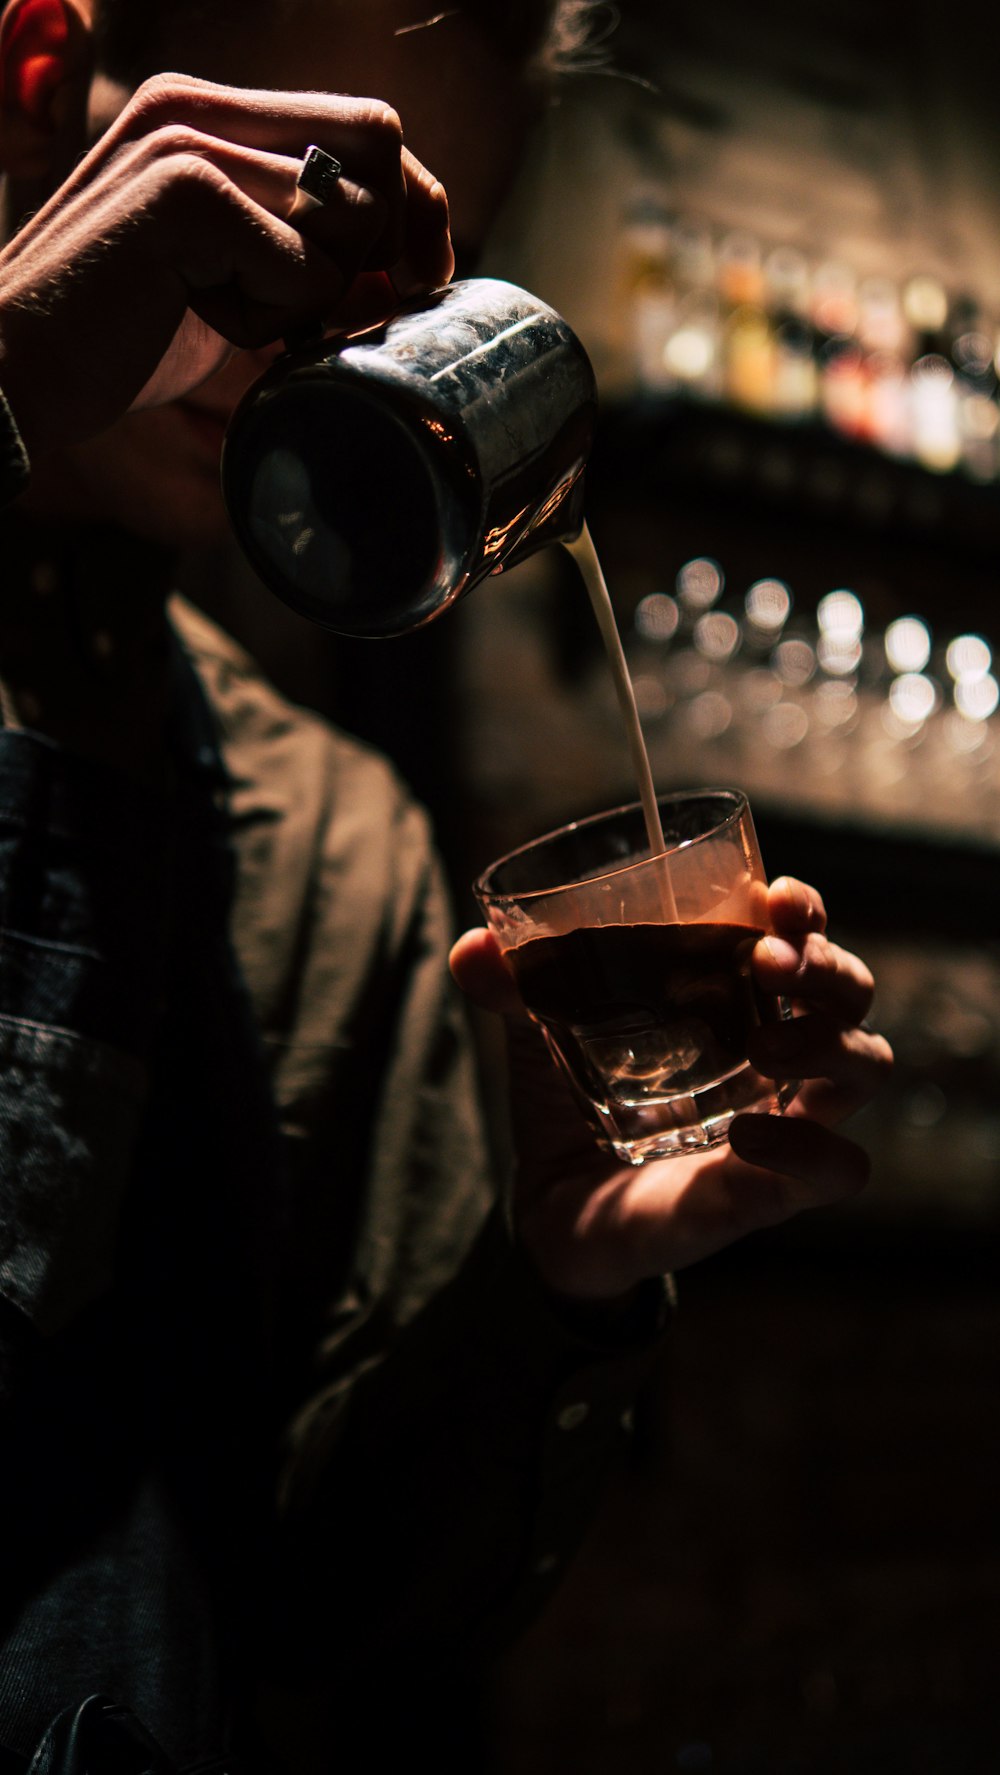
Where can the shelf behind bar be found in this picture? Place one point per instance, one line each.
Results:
(653, 446)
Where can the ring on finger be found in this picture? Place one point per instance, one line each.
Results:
(316, 183)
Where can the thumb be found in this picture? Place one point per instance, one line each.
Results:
(479, 970)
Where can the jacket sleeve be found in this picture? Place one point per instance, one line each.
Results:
(81, 947)
(446, 1462)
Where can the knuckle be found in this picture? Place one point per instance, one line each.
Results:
(818, 953)
(173, 138)
(386, 125)
(380, 140)
(188, 177)
(191, 168)
(156, 98)
(368, 209)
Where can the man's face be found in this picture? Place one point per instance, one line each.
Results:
(464, 114)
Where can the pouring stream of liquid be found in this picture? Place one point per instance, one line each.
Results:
(585, 556)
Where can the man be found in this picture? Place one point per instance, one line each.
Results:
(246, 1250)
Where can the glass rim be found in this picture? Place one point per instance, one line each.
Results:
(487, 896)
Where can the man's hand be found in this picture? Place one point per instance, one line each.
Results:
(595, 1228)
(169, 245)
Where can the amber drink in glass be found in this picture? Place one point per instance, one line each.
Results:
(637, 968)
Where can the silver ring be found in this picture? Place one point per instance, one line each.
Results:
(317, 182)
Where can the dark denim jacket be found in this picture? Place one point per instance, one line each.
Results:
(132, 1285)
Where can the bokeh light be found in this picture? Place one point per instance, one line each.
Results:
(840, 615)
(969, 738)
(977, 699)
(700, 583)
(787, 274)
(688, 353)
(768, 605)
(908, 644)
(836, 703)
(912, 698)
(657, 617)
(979, 417)
(973, 353)
(794, 663)
(651, 698)
(717, 636)
(968, 658)
(934, 411)
(759, 689)
(709, 715)
(835, 298)
(925, 304)
(838, 656)
(785, 726)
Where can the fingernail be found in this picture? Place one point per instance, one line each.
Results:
(784, 955)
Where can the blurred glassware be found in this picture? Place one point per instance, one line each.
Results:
(700, 584)
(908, 644)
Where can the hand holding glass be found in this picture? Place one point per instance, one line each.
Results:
(637, 968)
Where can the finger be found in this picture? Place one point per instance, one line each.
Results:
(675, 1212)
(815, 971)
(269, 179)
(809, 1165)
(349, 225)
(189, 239)
(823, 1101)
(817, 1047)
(794, 907)
(245, 272)
(365, 135)
(426, 259)
(479, 970)
(398, 219)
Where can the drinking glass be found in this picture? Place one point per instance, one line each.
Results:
(637, 968)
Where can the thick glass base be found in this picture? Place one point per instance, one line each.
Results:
(667, 1127)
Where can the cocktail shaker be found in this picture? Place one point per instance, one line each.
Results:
(372, 480)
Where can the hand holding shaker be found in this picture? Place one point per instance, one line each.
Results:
(373, 480)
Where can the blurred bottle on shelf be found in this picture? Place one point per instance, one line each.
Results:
(750, 360)
(648, 292)
(934, 411)
(925, 307)
(720, 318)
